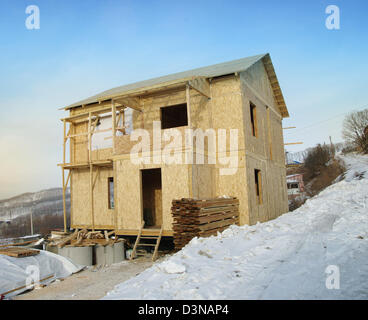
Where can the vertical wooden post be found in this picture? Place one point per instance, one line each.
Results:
(71, 160)
(64, 204)
(89, 138)
(91, 194)
(113, 112)
(114, 124)
(90, 169)
(190, 167)
(63, 175)
(188, 106)
(64, 140)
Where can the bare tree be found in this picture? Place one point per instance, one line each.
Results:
(355, 129)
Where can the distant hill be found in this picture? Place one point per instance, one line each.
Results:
(46, 207)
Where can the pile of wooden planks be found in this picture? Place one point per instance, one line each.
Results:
(202, 217)
(83, 238)
(17, 252)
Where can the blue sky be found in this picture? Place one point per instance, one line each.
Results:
(84, 47)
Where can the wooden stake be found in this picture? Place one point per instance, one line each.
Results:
(286, 144)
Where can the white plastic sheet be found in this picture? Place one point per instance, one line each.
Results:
(14, 272)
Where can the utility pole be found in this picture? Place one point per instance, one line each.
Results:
(31, 223)
(332, 146)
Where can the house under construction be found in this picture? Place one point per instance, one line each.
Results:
(111, 191)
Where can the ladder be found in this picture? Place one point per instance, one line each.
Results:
(139, 243)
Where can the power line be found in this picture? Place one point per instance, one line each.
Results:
(298, 130)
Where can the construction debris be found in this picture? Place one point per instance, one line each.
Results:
(81, 238)
(18, 252)
(202, 217)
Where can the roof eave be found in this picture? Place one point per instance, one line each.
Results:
(277, 92)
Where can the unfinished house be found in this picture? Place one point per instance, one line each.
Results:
(116, 185)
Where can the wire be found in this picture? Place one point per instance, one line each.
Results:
(323, 121)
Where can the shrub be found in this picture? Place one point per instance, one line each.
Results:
(355, 130)
(316, 158)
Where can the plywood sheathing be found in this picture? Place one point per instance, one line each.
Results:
(227, 108)
(102, 214)
(257, 89)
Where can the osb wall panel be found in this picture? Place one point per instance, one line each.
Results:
(256, 144)
(81, 204)
(175, 184)
(203, 181)
(124, 145)
(200, 116)
(226, 105)
(256, 77)
(234, 184)
(258, 155)
(128, 195)
(273, 188)
(80, 143)
(103, 215)
(278, 150)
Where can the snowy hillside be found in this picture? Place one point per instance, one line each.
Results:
(42, 202)
(286, 258)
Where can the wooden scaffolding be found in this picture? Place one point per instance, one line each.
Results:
(116, 105)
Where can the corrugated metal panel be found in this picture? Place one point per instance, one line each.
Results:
(215, 70)
(209, 72)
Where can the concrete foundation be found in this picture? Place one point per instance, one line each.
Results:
(109, 254)
(79, 255)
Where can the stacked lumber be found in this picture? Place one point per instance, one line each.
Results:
(18, 252)
(202, 217)
(81, 238)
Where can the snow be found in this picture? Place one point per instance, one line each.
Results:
(15, 271)
(172, 267)
(290, 257)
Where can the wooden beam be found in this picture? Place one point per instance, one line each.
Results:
(288, 128)
(64, 141)
(89, 138)
(201, 85)
(101, 163)
(67, 180)
(188, 106)
(95, 179)
(286, 144)
(84, 116)
(64, 204)
(91, 195)
(130, 102)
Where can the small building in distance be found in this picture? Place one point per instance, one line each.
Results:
(295, 186)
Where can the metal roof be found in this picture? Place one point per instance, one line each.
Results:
(208, 72)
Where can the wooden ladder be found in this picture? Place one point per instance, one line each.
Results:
(140, 237)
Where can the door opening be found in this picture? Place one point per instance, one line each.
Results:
(152, 197)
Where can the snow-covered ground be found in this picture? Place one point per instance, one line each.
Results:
(290, 257)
